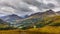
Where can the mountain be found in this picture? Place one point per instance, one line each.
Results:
(26, 16)
(1, 21)
(40, 19)
(49, 12)
(43, 14)
(58, 12)
(39, 22)
(11, 18)
(14, 17)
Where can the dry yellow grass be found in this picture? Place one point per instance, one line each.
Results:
(9, 31)
(44, 30)
(47, 29)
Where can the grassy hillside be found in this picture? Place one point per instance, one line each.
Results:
(50, 25)
(44, 30)
(40, 22)
(45, 25)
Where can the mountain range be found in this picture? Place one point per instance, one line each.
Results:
(13, 17)
(38, 18)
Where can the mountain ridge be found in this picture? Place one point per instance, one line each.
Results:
(11, 17)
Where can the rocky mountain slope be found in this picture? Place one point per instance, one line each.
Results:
(37, 20)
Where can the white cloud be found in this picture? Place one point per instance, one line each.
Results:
(34, 8)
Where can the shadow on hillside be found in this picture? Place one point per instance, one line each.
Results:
(29, 32)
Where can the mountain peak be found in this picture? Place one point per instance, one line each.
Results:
(50, 10)
(13, 15)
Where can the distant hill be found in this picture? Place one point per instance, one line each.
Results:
(3, 24)
(11, 18)
(1, 21)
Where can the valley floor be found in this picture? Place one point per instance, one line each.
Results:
(44, 30)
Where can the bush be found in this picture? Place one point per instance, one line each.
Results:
(55, 24)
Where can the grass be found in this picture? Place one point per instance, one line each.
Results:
(44, 30)
(47, 29)
(9, 32)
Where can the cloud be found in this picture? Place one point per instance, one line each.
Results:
(50, 5)
(26, 7)
(12, 6)
(41, 4)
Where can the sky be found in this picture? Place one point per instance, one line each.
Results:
(27, 7)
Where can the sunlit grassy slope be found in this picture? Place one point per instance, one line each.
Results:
(53, 25)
